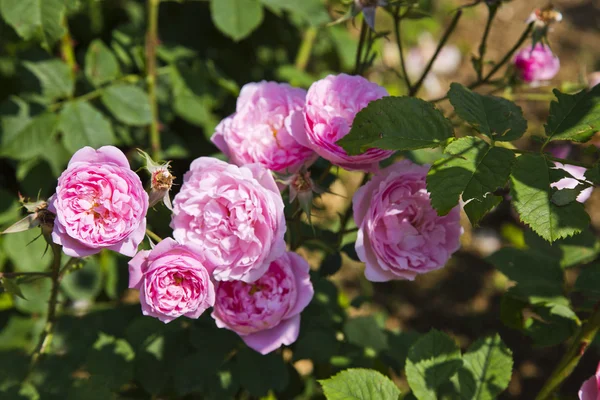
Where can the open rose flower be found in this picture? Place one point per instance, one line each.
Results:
(100, 203)
(331, 105)
(537, 64)
(400, 235)
(590, 390)
(235, 214)
(266, 313)
(172, 281)
(262, 128)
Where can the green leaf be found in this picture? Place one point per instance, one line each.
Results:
(39, 19)
(538, 279)
(364, 332)
(588, 282)
(330, 264)
(551, 325)
(477, 209)
(531, 193)
(574, 117)
(311, 11)
(101, 65)
(317, 344)
(473, 169)
(128, 103)
(84, 283)
(397, 123)
(236, 18)
(566, 196)
(192, 99)
(432, 361)
(32, 140)
(359, 384)
(83, 125)
(27, 253)
(486, 371)
(12, 287)
(498, 118)
(259, 374)
(110, 361)
(55, 78)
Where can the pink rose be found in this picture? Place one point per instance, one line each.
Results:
(590, 390)
(266, 313)
(331, 105)
(261, 129)
(537, 64)
(570, 183)
(172, 281)
(100, 203)
(235, 214)
(400, 235)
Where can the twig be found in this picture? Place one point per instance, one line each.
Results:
(415, 89)
(576, 350)
(153, 236)
(557, 159)
(19, 274)
(151, 44)
(348, 214)
(361, 43)
(66, 49)
(397, 20)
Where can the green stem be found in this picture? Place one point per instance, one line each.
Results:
(415, 89)
(153, 236)
(347, 215)
(557, 159)
(486, 32)
(397, 30)
(151, 44)
(46, 335)
(66, 49)
(305, 50)
(361, 43)
(25, 274)
(576, 350)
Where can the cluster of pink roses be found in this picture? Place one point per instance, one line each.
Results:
(228, 221)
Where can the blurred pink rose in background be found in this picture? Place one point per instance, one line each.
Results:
(331, 105)
(537, 64)
(100, 203)
(570, 183)
(172, 281)
(594, 79)
(400, 235)
(590, 390)
(262, 128)
(266, 313)
(234, 214)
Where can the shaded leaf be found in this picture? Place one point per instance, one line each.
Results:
(128, 103)
(498, 118)
(55, 78)
(39, 19)
(236, 18)
(397, 123)
(574, 117)
(365, 332)
(101, 65)
(82, 125)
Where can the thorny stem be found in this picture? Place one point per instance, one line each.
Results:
(415, 89)
(397, 20)
(483, 46)
(151, 44)
(46, 335)
(576, 350)
(499, 65)
(305, 50)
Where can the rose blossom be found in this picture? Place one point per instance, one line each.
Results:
(261, 129)
(570, 183)
(331, 105)
(235, 214)
(537, 64)
(100, 203)
(172, 281)
(400, 235)
(266, 313)
(590, 390)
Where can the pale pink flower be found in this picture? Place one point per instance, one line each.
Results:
(262, 128)
(594, 79)
(266, 313)
(235, 214)
(537, 64)
(172, 281)
(590, 390)
(570, 183)
(100, 203)
(400, 235)
(331, 105)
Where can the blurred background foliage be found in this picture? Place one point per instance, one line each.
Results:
(73, 73)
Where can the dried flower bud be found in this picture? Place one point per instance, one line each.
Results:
(543, 17)
(368, 9)
(161, 181)
(302, 187)
(39, 216)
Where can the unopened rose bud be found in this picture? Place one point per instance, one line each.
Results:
(302, 188)
(368, 9)
(39, 216)
(161, 181)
